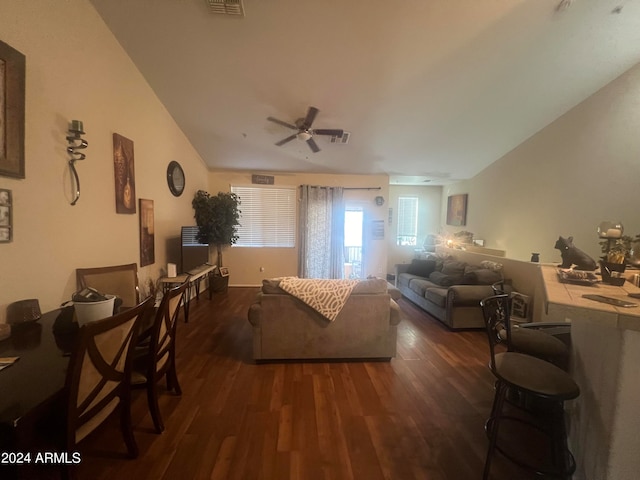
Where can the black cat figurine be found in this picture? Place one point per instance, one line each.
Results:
(572, 255)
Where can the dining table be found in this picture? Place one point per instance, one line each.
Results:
(32, 386)
(33, 383)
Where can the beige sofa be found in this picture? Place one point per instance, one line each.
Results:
(286, 328)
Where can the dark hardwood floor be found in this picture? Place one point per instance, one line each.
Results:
(420, 416)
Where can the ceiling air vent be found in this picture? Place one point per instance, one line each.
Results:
(226, 7)
(343, 139)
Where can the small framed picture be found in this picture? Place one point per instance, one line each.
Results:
(520, 305)
(224, 271)
(6, 220)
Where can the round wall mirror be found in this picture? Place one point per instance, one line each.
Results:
(175, 178)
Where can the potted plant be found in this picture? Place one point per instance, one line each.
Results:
(616, 250)
(616, 254)
(217, 218)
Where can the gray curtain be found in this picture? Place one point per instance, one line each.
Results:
(321, 232)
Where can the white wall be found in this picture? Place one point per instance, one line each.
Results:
(245, 263)
(75, 69)
(578, 171)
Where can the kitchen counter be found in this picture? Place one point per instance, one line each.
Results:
(604, 421)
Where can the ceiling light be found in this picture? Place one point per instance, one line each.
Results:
(304, 136)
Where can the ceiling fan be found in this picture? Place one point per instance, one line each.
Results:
(304, 130)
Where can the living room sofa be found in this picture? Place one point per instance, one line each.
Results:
(284, 327)
(448, 289)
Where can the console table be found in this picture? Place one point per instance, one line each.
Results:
(603, 421)
(194, 276)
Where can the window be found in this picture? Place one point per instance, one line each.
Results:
(407, 221)
(268, 217)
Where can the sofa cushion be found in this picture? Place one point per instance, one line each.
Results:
(370, 286)
(437, 296)
(404, 279)
(421, 268)
(440, 258)
(444, 280)
(271, 285)
(469, 295)
(483, 276)
(419, 286)
(453, 267)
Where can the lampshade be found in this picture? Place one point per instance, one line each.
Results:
(304, 136)
(608, 229)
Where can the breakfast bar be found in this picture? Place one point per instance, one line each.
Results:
(604, 421)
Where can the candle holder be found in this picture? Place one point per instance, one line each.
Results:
(76, 142)
(610, 232)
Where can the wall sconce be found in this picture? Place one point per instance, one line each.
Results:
(75, 143)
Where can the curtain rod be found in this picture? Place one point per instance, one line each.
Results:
(348, 188)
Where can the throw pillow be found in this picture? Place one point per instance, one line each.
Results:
(495, 266)
(484, 276)
(421, 268)
(445, 280)
(453, 268)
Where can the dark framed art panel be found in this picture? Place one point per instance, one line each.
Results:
(12, 88)
(124, 170)
(457, 210)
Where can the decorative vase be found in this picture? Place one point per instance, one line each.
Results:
(535, 257)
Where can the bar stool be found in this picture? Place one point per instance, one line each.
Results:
(532, 341)
(528, 376)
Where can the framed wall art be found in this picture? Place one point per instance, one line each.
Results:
(147, 237)
(6, 213)
(124, 171)
(457, 210)
(12, 88)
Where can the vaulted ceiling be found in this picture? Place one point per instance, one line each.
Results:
(431, 90)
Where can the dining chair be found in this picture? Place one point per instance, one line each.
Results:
(98, 377)
(525, 375)
(118, 280)
(156, 359)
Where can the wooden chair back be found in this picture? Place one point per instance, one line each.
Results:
(119, 280)
(163, 336)
(161, 357)
(98, 378)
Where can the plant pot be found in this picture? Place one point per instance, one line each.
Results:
(607, 270)
(219, 284)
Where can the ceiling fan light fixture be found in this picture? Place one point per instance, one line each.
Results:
(304, 136)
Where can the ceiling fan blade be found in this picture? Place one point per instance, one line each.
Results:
(280, 122)
(285, 140)
(313, 145)
(311, 116)
(334, 132)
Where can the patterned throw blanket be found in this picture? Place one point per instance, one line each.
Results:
(327, 297)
